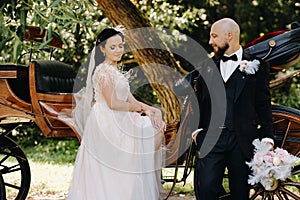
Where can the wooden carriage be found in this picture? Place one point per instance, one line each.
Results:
(38, 92)
(32, 93)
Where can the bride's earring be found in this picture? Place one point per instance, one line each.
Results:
(104, 54)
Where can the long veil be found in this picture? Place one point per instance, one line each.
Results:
(83, 99)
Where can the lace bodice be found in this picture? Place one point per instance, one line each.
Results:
(106, 74)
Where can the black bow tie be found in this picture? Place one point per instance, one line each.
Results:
(226, 58)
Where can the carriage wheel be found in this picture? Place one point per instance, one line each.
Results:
(286, 123)
(2, 188)
(170, 177)
(14, 168)
(184, 161)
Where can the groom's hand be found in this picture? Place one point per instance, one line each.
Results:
(195, 134)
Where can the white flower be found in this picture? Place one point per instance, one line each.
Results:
(276, 161)
(120, 28)
(268, 165)
(249, 67)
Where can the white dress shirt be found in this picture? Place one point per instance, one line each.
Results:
(228, 67)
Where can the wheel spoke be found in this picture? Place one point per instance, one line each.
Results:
(12, 186)
(286, 134)
(257, 192)
(11, 169)
(265, 196)
(296, 170)
(291, 183)
(277, 193)
(286, 192)
(13, 162)
(4, 159)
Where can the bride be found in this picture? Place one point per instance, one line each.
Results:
(120, 155)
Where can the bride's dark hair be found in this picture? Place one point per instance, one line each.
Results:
(101, 40)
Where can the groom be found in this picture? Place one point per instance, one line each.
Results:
(248, 116)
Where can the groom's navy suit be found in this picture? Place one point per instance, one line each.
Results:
(248, 116)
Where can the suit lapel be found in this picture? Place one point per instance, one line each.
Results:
(240, 84)
(242, 79)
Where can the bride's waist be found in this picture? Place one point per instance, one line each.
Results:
(103, 105)
(100, 104)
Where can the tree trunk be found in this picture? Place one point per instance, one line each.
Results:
(152, 55)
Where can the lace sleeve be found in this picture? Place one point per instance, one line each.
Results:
(104, 76)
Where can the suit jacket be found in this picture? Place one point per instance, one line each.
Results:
(252, 114)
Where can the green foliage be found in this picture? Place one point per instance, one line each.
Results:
(75, 22)
(172, 16)
(53, 150)
(38, 148)
(255, 17)
(289, 93)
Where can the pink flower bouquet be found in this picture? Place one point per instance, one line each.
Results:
(268, 165)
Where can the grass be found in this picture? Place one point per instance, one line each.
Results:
(180, 187)
(54, 151)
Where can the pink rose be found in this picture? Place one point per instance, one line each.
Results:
(268, 157)
(282, 154)
(258, 159)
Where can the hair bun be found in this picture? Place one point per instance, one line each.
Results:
(109, 32)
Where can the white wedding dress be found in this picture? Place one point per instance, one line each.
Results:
(117, 158)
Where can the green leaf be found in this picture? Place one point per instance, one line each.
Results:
(70, 14)
(17, 49)
(4, 41)
(45, 43)
(49, 31)
(55, 3)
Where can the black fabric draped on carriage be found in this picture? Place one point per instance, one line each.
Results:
(280, 48)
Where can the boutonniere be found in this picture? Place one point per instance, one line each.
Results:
(249, 67)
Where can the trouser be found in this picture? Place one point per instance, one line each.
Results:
(209, 171)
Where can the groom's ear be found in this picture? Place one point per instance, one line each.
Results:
(229, 36)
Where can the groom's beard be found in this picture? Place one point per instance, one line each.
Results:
(219, 51)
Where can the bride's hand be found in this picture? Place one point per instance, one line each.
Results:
(156, 118)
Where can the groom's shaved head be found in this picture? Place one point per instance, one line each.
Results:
(225, 35)
(228, 25)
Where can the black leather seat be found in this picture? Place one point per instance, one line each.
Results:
(54, 77)
(18, 80)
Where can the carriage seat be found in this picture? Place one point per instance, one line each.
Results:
(51, 85)
(16, 76)
(54, 77)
